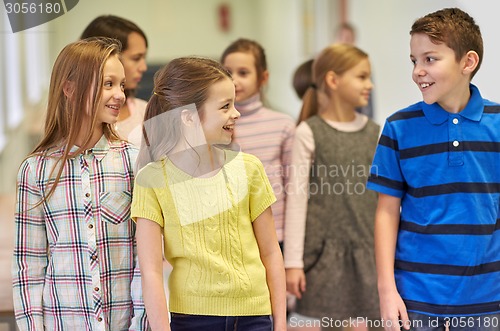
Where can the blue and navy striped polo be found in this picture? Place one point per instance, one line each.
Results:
(445, 167)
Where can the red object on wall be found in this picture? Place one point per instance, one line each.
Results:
(224, 17)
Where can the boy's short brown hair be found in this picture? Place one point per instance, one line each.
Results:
(453, 27)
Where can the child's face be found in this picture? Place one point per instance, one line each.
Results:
(436, 71)
(134, 59)
(242, 68)
(355, 84)
(219, 114)
(113, 97)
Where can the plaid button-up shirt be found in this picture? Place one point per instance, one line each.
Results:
(74, 263)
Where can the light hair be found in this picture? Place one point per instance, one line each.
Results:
(182, 83)
(338, 58)
(79, 65)
(116, 27)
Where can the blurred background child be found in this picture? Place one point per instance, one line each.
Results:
(260, 131)
(329, 213)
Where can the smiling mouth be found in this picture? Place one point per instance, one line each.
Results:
(425, 85)
(229, 128)
(115, 109)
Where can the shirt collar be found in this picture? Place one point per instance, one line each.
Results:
(472, 111)
(99, 150)
(249, 106)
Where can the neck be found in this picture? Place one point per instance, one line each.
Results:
(456, 105)
(249, 105)
(338, 113)
(199, 161)
(124, 112)
(82, 135)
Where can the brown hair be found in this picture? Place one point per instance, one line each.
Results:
(182, 82)
(453, 27)
(80, 63)
(302, 78)
(338, 58)
(249, 46)
(112, 27)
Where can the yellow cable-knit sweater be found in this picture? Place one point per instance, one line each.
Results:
(208, 234)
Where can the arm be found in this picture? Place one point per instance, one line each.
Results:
(272, 259)
(296, 208)
(286, 152)
(392, 307)
(30, 252)
(149, 247)
(139, 320)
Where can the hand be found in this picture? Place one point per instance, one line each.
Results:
(393, 311)
(296, 281)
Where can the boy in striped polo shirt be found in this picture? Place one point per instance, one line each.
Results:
(437, 233)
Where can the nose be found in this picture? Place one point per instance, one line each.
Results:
(143, 65)
(236, 114)
(235, 80)
(119, 95)
(418, 70)
(370, 84)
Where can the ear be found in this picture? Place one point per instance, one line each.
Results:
(265, 78)
(68, 88)
(331, 80)
(188, 117)
(470, 62)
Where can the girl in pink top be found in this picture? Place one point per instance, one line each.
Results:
(260, 131)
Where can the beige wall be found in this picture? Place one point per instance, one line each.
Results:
(190, 27)
(384, 27)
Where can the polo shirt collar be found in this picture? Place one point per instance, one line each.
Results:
(472, 111)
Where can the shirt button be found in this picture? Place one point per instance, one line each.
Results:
(99, 319)
(90, 226)
(96, 289)
(455, 121)
(456, 143)
(87, 195)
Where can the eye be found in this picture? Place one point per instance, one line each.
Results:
(108, 83)
(243, 73)
(122, 85)
(226, 106)
(430, 59)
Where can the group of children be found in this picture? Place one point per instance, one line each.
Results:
(219, 186)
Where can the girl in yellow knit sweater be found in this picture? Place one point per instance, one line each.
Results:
(208, 205)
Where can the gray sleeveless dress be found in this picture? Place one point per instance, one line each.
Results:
(339, 258)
